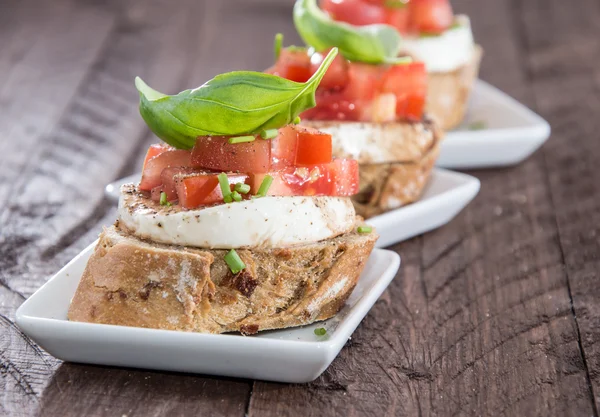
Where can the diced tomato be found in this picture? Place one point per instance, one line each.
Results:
(168, 186)
(399, 18)
(154, 167)
(431, 16)
(293, 64)
(332, 105)
(337, 178)
(216, 153)
(345, 176)
(284, 148)
(355, 12)
(409, 84)
(200, 189)
(365, 81)
(300, 145)
(337, 73)
(314, 147)
(154, 150)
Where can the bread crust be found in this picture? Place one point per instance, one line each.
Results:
(385, 187)
(448, 92)
(132, 282)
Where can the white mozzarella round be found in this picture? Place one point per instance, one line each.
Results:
(446, 52)
(267, 222)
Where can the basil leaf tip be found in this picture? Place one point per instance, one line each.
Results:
(231, 104)
(372, 44)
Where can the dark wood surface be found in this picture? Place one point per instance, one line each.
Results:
(497, 313)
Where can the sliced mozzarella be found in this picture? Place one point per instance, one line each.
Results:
(268, 222)
(446, 52)
(377, 143)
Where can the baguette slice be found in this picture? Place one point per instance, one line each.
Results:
(448, 92)
(385, 187)
(132, 282)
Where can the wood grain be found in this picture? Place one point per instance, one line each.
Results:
(494, 314)
(566, 83)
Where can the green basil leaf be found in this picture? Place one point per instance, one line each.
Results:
(373, 44)
(231, 104)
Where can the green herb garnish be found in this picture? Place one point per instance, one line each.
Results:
(373, 44)
(236, 196)
(231, 104)
(396, 4)
(241, 139)
(264, 186)
(242, 188)
(320, 331)
(163, 199)
(269, 134)
(479, 125)
(225, 188)
(364, 229)
(297, 120)
(277, 45)
(234, 262)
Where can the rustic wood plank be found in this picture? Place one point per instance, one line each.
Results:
(84, 143)
(479, 322)
(566, 81)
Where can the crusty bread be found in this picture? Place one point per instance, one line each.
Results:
(386, 187)
(448, 92)
(132, 282)
(395, 160)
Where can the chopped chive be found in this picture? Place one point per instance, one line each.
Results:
(297, 120)
(396, 4)
(242, 139)
(278, 44)
(364, 229)
(269, 133)
(242, 188)
(236, 196)
(264, 186)
(320, 331)
(455, 25)
(225, 189)
(479, 125)
(163, 199)
(234, 262)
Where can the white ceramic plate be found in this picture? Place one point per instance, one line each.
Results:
(446, 194)
(290, 355)
(508, 134)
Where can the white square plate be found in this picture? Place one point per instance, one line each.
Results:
(289, 355)
(511, 132)
(446, 194)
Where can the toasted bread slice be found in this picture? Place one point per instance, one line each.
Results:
(385, 187)
(132, 282)
(448, 92)
(395, 159)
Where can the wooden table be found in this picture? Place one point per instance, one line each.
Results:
(495, 314)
